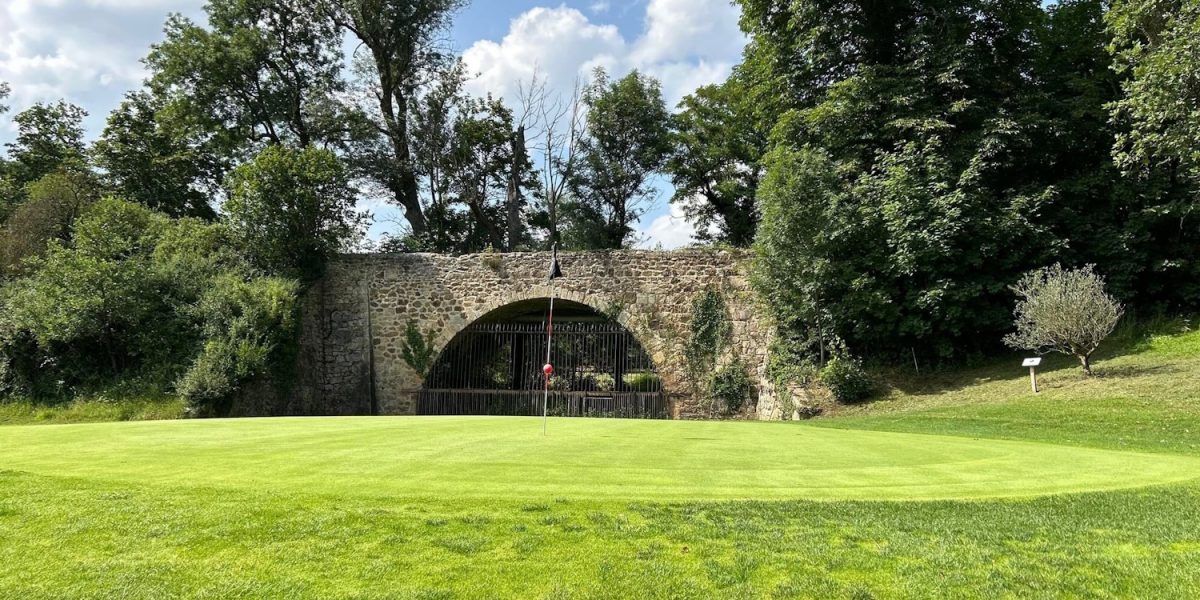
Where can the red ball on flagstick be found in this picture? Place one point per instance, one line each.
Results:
(548, 369)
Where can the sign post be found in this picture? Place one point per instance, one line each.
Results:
(1033, 364)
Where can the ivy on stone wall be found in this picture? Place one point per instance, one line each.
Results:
(710, 330)
(708, 336)
(416, 349)
(730, 387)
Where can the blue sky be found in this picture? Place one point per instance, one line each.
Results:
(88, 52)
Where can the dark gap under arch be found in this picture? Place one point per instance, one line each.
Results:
(494, 367)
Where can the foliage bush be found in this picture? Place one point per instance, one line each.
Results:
(248, 327)
(94, 306)
(846, 379)
(604, 382)
(642, 382)
(134, 296)
(730, 387)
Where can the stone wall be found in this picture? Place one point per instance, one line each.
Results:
(355, 319)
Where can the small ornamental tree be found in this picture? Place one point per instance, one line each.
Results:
(1063, 310)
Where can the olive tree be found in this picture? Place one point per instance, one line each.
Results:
(1064, 310)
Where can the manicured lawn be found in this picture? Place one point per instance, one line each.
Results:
(976, 490)
(487, 458)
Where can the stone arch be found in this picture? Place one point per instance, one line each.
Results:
(497, 354)
(355, 319)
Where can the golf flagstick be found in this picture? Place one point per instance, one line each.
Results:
(548, 369)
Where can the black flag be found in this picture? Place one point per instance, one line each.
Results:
(555, 270)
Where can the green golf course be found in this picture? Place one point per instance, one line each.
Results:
(959, 485)
(503, 458)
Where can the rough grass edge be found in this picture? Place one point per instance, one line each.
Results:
(91, 410)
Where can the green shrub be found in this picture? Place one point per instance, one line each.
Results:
(249, 327)
(604, 382)
(730, 387)
(642, 382)
(846, 379)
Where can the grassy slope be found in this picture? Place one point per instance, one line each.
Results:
(84, 534)
(1145, 398)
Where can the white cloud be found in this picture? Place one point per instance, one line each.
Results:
(86, 51)
(556, 43)
(682, 30)
(684, 43)
(671, 230)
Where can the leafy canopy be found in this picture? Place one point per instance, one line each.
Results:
(291, 210)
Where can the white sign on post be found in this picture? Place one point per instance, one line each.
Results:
(1032, 363)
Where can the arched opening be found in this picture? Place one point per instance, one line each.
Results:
(494, 367)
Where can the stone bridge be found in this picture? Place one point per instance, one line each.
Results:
(354, 320)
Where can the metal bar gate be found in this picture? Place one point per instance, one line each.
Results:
(496, 369)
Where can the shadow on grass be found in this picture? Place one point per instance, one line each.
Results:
(1000, 368)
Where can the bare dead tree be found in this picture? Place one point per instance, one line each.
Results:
(553, 124)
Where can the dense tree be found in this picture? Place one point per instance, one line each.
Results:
(487, 168)
(627, 140)
(290, 210)
(432, 132)
(716, 163)
(9, 194)
(261, 72)
(1156, 46)
(49, 138)
(473, 169)
(966, 150)
(87, 304)
(48, 213)
(920, 119)
(402, 45)
(146, 161)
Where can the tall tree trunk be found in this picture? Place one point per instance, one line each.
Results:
(406, 188)
(513, 197)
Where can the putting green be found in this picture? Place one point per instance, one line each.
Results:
(508, 458)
